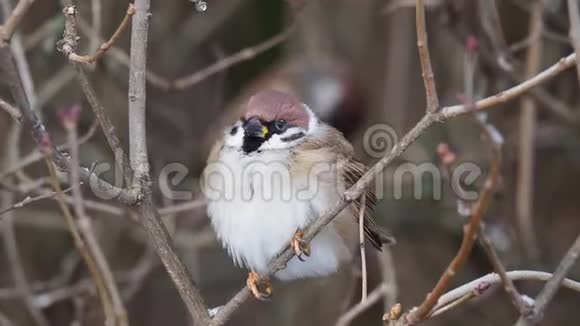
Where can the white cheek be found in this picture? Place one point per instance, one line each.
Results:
(313, 121)
(276, 143)
(237, 139)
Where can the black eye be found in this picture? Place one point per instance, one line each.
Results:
(280, 125)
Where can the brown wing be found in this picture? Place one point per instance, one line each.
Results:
(353, 171)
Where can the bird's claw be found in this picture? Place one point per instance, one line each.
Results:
(300, 246)
(260, 288)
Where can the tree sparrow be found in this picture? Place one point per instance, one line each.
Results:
(276, 170)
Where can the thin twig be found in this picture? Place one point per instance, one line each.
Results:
(29, 200)
(389, 277)
(81, 245)
(234, 59)
(35, 155)
(495, 141)
(573, 13)
(479, 209)
(453, 305)
(10, 109)
(122, 58)
(19, 52)
(107, 45)
(523, 308)
(549, 291)
(427, 70)
(393, 6)
(362, 306)
(12, 22)
(10, 244)
(97, 24)
(68, 46)
(85, 225)
(363, 256)
(527, 131)
(493, 278)
(356, 190)
(40, 135)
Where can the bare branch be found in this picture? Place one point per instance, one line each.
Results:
(427, 70)
(107, 45)
(81, 245)
(508, 285)
(470, 234)
(527, 131)
(137, 93)
(140, 165)
(41, 136)
(362, 306)
(68, 46)
(552, 286)
(35, 155)
(14, 112)
(10, 244)
(234, 59)
(85, 224)
(97, 25)
(513, 92)
(12, 22)
(493, 278)
(29, 200)
(573, 13)
(495, 141)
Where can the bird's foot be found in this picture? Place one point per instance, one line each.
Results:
(260, 288)
(299, 245)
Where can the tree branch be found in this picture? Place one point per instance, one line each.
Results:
(508, 285)
(359, 308)
(80, 243)
(68, 46)
(40, 133)
(140, 165)
(108, 44)
(527, 131)
(427, 70)
(11, 110)
(552, 286)
(573, 13)
(12, 22)
(85, 225)
(234, 59)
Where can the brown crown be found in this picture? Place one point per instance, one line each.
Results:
(270, 105)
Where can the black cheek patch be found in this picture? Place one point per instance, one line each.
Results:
(293, 137)
(234, 130)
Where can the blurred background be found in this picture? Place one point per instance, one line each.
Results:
(355, 63)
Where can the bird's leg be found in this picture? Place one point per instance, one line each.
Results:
(254, 283)
(300, 246)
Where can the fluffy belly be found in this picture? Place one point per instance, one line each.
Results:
(254, 232)
(256, 219)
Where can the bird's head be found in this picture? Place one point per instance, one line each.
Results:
(271, 120)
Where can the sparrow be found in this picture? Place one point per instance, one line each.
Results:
(276, 170)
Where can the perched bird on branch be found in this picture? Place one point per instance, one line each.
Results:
(276, 170)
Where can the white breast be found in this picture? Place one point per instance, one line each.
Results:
(255, 209)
